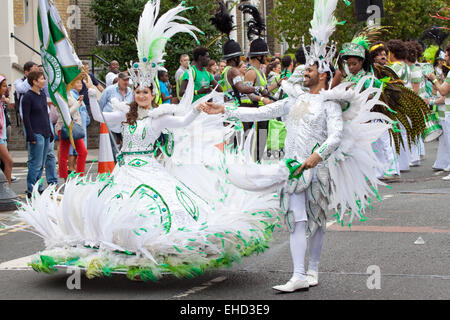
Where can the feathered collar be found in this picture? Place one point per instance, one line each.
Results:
(144, 113)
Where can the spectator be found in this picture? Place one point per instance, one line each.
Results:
(184, 65)
(5, 157)
(114, 69)
(163, 77)
(222, 66)
(242, 68)
(204, 81)
(85, 121)
(122, 92)
(22, 86)
(37, 127)
(212, 67)
(287, 66)
(75, 104)
(273, 72)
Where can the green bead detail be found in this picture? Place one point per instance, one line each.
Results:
(186, 201)
(144, 133)
(137, 163)
(132, 128)
(158, 205)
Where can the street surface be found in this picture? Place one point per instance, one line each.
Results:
(388, 244)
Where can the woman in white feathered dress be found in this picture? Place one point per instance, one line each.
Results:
(149, 218)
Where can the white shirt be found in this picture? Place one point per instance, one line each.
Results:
(110, 78)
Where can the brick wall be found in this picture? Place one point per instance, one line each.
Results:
(85, 38)
(19, 18)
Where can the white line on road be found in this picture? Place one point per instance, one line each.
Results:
(17, 264)
(202, 287)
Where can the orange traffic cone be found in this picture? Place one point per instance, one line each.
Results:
(105, 154)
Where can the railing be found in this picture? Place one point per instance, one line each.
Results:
(26, 45)
(92, 58)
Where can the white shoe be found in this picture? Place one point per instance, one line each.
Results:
(447, 178)
(293, 285)
(312, 277)
(447, 169)
(414, 164)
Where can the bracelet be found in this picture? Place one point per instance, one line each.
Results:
(434, 81)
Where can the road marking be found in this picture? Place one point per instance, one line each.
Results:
(21, 226)
(387, 196)
(202, 287)
(329, 224)
(399, 229)
(17, 264)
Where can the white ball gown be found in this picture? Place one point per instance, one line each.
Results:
(151, 217)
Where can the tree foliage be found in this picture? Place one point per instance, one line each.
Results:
(121, 19)
(289, 20)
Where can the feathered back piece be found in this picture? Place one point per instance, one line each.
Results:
(256, 25)
(435, 33)
(152, 37)
(323, 25)
(222, 20)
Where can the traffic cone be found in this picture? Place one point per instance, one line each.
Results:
(105, 154)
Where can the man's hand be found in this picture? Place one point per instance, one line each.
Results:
(309, 163)
(212, 108)
(204, 90)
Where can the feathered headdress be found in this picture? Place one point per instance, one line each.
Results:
(223, 22)
(435, 33)
(256, 27)
(323, 25)
(362, 41)
(152, 37)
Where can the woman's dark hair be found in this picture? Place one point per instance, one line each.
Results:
(300, 56)
(367, 62)
(271, 66)
(199, 52)
(411, 55)
(34, 75)
(132, 115)
(381, 46)
(398, 48)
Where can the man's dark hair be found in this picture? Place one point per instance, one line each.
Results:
(398, 48)
(199, 52)
(286, 62)
(27, 66)
(300, 55)
(330, 75)
(381, 46)
(34, 75)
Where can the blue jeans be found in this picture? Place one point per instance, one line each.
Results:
(37, 156)
(50, 162)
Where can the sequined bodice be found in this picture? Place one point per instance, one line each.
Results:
(139, 137)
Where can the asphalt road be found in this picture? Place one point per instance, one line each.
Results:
(417, 206)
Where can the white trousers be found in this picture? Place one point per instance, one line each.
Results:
(403, 158)
(443, 153)
(385, 152)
